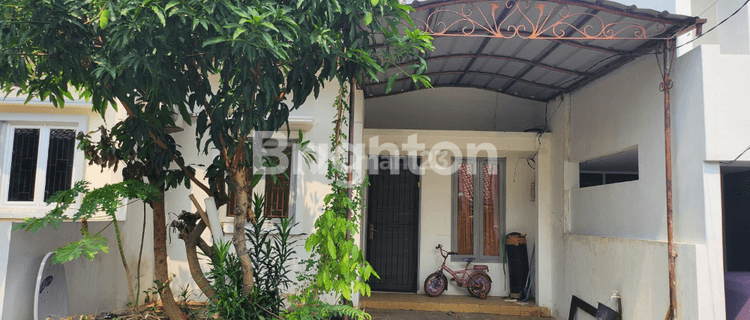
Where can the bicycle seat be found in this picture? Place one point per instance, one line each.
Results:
(468, 259)
(481, 267)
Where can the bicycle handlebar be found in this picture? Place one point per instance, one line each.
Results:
(447, 253)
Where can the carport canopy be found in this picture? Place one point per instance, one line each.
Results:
(535, 50)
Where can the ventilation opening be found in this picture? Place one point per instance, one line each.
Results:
(614, 168)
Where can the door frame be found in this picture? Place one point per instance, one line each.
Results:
(418, 213)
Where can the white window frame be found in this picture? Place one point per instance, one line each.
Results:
(45, 122)
(227, 221)
(478, 220)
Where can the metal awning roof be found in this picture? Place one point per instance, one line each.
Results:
(532, 49)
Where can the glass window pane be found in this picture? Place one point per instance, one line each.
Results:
(491, 222)
(465, 225)
(59, 161)
(23, 164)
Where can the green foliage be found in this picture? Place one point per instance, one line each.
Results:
(226, 279)
(342, 267)
(316, 310)
(307, 304)
(89, 246)
(339, 267)
(106, 199)
(156, 57)
(270, 250)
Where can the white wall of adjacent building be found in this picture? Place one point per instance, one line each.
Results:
(94, 286)
(613, 237)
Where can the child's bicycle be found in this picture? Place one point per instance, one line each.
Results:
(474, 279)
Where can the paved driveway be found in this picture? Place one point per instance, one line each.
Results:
(380, 314)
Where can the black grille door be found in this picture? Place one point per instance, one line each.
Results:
(393, 212)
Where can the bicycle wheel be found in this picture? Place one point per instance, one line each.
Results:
(435, 284)
(479, 285)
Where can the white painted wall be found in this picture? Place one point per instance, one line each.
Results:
(607, 117)
(614, 236)
(93, 286)
(454, 109)
(696, 182)
(726, 112)
(435, 198)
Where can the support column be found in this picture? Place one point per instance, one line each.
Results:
(544, 261)
(668, 55)
(5, 228)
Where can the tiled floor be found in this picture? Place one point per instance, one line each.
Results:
(380, 314)
(458, 304)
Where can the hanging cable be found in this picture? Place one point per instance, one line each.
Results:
(716, 26)
(709, 7)
(738, 157)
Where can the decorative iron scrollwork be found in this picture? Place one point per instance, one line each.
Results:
(543, 20)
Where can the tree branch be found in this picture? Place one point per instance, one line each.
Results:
(179, 161)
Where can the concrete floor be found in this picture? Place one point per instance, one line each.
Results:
(381, 314)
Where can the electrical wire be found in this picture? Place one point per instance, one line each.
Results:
(589, 69)
(709, 7)
(716, 26)
(738, 157)
(553, 113)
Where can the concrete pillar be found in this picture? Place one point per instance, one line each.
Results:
(545, 259)
(710, 261)
(5, 228)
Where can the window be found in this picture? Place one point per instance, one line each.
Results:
(614, 168)
(478, 194)
(278, 185)
(278, 189)
(38, 158)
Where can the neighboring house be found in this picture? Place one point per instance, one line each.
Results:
(562, 139)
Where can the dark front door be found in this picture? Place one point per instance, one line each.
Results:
(393, 212)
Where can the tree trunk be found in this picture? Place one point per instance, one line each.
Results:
(191, 242)
(241, 211)
(161, 268)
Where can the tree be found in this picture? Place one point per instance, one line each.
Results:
(154, 58)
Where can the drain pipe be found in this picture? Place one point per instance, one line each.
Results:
(668, 52)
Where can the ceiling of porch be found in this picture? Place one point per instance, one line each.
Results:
(534, 50)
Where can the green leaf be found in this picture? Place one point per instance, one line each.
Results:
(104, 19)
(171, 4)
(239, 31)
(331, 247)
(368, 18)
(159, 13)
(391, 82)
(269, 26)
(374, 2)
(213, 41)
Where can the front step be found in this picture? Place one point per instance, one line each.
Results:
(458, 304)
